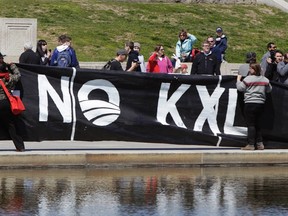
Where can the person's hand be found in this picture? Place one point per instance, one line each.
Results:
(239, 77)
(269, 60)
(134, 64)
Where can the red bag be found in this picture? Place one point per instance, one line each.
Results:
(16, 103)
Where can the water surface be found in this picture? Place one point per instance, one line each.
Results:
(162, 191)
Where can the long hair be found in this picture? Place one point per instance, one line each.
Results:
(257, 68)
(39, 47)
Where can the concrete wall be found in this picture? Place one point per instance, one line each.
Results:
(226, 68)
(14, 33)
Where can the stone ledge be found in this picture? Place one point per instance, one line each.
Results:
(142, 159)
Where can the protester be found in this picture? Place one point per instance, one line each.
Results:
(215, 50)
(272, 62)
(255, 86)
(221, 42)
(64, 55)
(271, 50)
(115, 64)
(132, 56)
(184, 46)
(282, 69)
(10, 75)
(29, 56)
(158, 62)
(244, 68)
(43, 53)
(205, 62)
(137, 48)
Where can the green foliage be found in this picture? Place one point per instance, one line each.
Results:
(99, 28)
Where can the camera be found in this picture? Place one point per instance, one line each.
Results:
(136, 61)
(272, 55)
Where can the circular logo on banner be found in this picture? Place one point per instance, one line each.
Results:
(99, 112)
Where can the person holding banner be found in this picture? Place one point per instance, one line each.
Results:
(10, 75)
(255, 86)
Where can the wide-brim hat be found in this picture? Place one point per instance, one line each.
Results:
(1, 55)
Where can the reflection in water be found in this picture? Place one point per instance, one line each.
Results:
(161, 191)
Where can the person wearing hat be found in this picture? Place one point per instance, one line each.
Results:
(244, 69)
(221, 42)
(29, 56)
(115, 64)
(10, 75)
(137, 48)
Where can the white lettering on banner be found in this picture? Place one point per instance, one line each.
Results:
(166, 106)
(230, 115)
(101, 113)
(208, 112)
(64, 106)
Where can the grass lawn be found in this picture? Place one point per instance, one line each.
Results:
(99, 28)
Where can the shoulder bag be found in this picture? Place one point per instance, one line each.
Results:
(16, 103)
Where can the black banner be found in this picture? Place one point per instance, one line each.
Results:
(85, 104)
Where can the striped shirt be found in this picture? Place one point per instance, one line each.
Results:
(254, 88)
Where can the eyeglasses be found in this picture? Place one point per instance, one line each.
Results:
(44, 44)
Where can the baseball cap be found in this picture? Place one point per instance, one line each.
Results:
(1, 56)
(219, 29)
(122, 52)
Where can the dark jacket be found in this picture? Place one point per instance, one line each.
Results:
(271, 72)
(29, 57)
(205, 64)
(133, 57)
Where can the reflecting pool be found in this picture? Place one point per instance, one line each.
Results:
(145, 191)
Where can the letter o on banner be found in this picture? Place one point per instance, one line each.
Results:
(99, 112)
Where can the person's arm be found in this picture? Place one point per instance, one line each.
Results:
(268, 88)
(74, 60)
(21, 58)
(54, 56)
(240, 85)
(216, 68)
(282, 68)
(194, 68)
(14, 75)
(133, 66)
(192, 38)
(169, 65)
(177, 49)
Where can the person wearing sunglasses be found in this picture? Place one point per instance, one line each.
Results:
(184, 46)
(43, 52)
(158, 62)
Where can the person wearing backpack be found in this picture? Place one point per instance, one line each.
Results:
(64, 55)
(115, 64)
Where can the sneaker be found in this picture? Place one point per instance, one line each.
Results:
(260, 146)
(248, 147)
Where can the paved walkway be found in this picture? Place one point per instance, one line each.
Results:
(131, 154)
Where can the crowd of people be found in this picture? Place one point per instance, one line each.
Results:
(205, 61)
(253, 78)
